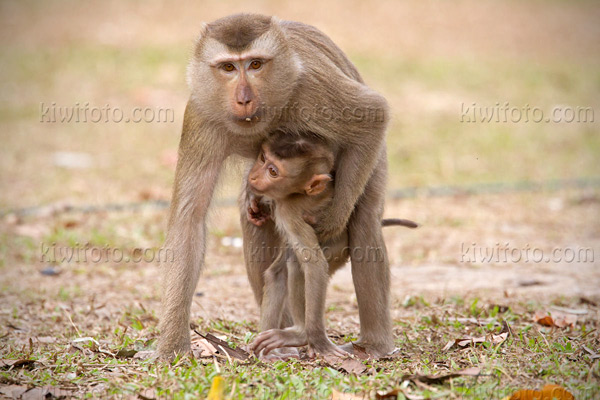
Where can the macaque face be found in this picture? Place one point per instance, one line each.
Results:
(278, 178)
(241, 74)
(273, 177)
(242, 77)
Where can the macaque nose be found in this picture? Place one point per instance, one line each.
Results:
(244, 95)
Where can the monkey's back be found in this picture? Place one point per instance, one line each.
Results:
(309, 42)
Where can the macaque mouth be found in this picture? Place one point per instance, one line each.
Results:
(255, 190)
(249, 120)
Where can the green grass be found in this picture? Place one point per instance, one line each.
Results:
(532, 356)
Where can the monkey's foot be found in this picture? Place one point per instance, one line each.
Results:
(326, 349)
(146, 355)
(281, 354)
(364, 350)
(167, 351)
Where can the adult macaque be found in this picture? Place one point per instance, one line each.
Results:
(294, 174)
(251, 75)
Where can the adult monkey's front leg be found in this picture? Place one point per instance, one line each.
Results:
(262, 244)
(201, 155)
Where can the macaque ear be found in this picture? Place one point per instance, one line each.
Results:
(317, 184)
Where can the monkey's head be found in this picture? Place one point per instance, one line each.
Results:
(243, 73)
(289, 164)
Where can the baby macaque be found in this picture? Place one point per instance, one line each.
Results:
(292, 182)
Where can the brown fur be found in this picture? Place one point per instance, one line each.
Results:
(301, 162)
(238, 31)
(303, 68)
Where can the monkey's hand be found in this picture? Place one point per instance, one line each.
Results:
(272, 339)
(329, 226)
(258, 212)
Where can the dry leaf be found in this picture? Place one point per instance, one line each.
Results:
(46, 392)
(126, 353)
(548, 392)
(7, 363)
(466, 342)
(557, 320)
(12, 391)
(495, 339)
(436, 379)
(352, 366)
(593, 354)
(359, 351)
(393, 395)
(221, 347)
(147, 394)
(202, 348)
(347, 364)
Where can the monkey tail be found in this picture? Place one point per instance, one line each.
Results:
(399, 222)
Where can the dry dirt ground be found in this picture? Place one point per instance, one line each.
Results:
(439, 260)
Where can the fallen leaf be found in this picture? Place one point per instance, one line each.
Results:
(585, 300)
(12, 391)
(352, 366)
(549, 391)
(217, 389)
(360, 351)
(7, 363)
(593, 354)
(126, 353)
(147, 394)
(436, 379)
(557, 320)
(46, 392)
(203, 348)
(221, 347)
(393, 395)
(495, 339)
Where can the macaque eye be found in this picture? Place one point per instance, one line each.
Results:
(255, 64)
(273, 172)
(228, 67)
(262, 157)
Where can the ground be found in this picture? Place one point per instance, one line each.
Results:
(487, 267)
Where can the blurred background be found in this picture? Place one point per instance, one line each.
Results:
(432, 60)
(447, 70)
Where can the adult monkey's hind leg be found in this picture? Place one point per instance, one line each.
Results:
(370, 267)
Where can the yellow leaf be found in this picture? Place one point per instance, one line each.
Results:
(217, 388)
(549, 392)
